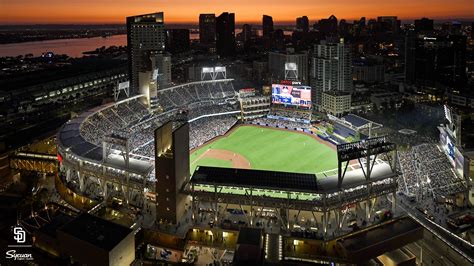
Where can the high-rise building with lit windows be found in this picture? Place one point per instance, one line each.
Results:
(330, 69)
(145, 37)
(207, 29)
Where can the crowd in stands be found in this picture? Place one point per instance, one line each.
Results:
(280, 123)
(292, 114)
(343, 132)
(187, 94)
(202, 110)
(134, 120)
(426, 167)
(112, 119)
(207, 128)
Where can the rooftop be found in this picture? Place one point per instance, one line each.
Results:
(98, 232)
(337, 93)
(250, 236)
(57, 222)
(355, 120)
(255, 178)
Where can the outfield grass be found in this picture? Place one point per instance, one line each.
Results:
(210, 162)
(271, 149)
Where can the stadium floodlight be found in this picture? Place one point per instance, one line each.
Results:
(291, 71)
(367, 149)
(291, 66)
(122, 86)
(207, 70)
(219, 70)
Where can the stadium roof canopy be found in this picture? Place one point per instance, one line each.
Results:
(70, 138)
(356, 178)
(355, 122)
(255, 178)
(284, 181)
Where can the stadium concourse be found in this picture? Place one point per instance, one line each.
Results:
(108, 153)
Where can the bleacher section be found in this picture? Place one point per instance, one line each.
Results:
(133, 120)
(426, 167)
(343, 131)
(351, 126)
(183, 95)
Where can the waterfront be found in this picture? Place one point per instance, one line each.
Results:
(70, 47)
(75, 47)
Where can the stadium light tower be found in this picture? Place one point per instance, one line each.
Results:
(123, 86)
(368, 149)
(219, 71)
(109, 144)
(291, 71)
(207, 71)
(213, 73)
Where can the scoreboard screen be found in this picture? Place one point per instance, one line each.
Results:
(291, 95)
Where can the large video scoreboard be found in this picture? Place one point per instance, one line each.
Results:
(291, 93)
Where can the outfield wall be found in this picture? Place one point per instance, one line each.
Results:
(327, 139)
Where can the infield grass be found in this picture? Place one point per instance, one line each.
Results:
(271, 149)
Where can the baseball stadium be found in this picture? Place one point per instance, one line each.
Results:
(217, 153)
(118, 151)
(109, 135)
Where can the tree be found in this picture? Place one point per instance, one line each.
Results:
(329, 129)
(357, 135)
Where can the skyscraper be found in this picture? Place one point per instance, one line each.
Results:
(302, 24)
(331, 69)
(177, 40)
(247, 35)
(410, 48)
(225, 34)
(433, 59)
(162, 62)
(145, 36)
(207, 29)
(423, 25)
(328, 26)
(267, 26)
(389, 23)
(278, 39)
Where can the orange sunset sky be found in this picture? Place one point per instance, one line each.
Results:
(187, 11)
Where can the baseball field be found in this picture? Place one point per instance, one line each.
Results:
(255, 147)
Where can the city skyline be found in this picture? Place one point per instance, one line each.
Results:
(187, 12)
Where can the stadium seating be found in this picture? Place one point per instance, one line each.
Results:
(134, 120)
(182, 96)
(343, 131)
(425, 167)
